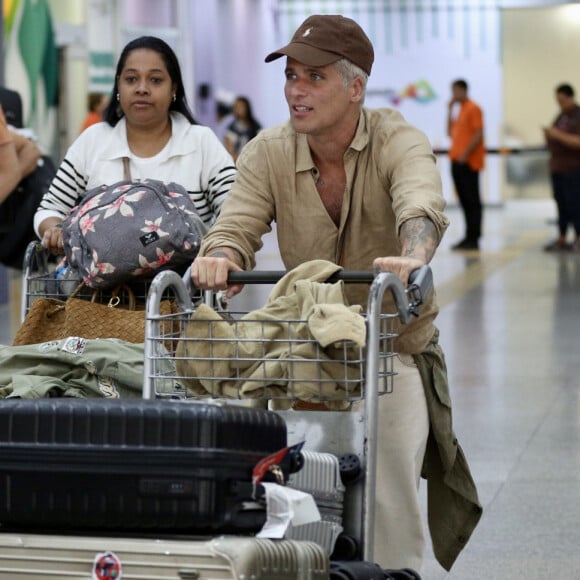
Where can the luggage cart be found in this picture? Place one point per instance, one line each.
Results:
(237, 342)
(39, 277)
(44, 277)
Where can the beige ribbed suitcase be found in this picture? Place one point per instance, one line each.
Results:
(34, 557)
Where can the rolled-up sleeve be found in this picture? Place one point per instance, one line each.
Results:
(415, 181)
(248, 210)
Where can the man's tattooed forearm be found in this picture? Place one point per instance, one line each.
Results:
(231, 254)
(419, 238)
(219, 254)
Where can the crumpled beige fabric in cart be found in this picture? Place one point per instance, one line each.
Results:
(305, 343)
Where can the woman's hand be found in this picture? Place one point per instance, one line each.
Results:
(51, 235)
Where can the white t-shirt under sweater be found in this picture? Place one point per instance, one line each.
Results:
(193, 158)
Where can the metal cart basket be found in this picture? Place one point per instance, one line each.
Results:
(278, 363)
(45, 276)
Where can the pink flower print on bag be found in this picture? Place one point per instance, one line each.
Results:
(123, 204)
(154, 227)
(130, 230)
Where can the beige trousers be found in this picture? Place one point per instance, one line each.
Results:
(403, 427)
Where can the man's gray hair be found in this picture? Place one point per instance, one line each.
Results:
(349, 71)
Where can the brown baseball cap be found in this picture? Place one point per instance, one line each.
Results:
(325, 38)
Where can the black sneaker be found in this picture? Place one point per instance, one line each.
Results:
(558, 246)
(466, 245)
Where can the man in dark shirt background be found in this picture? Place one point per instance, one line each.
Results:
(563, 141)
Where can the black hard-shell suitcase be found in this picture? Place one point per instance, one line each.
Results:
(132, 465)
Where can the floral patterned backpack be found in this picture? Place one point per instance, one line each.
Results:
(131, 230)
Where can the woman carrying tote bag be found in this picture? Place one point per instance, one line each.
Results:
(149, 122)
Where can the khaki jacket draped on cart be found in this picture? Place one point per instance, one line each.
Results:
(453, 508)
(295, 346)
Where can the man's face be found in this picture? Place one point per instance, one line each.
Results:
(316, 98)
(565, 102)
(458, 93)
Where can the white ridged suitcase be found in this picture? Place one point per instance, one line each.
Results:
(35, 557)
(320, 476)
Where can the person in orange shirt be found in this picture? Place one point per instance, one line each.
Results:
(96, 104)
(467, 153)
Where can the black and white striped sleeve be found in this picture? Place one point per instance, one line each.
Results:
(65, 189)
(219, 187)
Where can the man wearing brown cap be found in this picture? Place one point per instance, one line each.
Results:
(358, 187)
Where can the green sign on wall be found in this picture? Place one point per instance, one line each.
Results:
(101, 71)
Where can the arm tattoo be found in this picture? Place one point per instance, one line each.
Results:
(218, 254)
(418, 238)
(234, 256)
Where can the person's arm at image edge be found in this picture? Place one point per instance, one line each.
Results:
(10, 173)
(28, 154)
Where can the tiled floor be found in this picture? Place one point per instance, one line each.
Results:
(510, 322)
(509, 326)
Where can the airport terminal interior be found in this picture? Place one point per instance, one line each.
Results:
(510, 325)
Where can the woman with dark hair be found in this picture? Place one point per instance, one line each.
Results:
(147, 122)
(243, 128)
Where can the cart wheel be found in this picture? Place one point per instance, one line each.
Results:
(412, 574)
(345, 548)
(360, 570)
(350, 467)
(403, 574)
(297, 463)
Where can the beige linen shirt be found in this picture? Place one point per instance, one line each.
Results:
(391, 177)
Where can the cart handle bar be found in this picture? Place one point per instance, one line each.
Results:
(272, 276)
(408, 300)
(420, 283)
